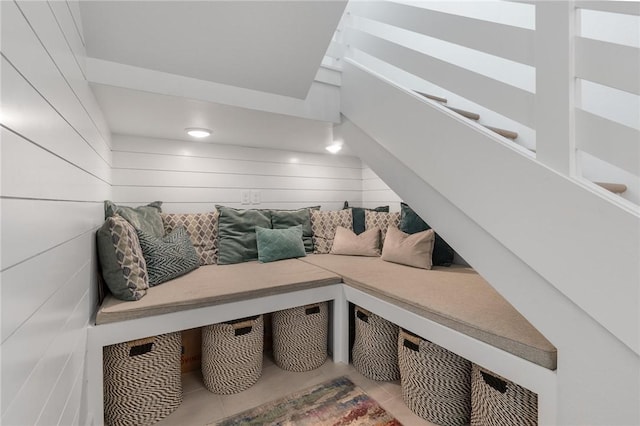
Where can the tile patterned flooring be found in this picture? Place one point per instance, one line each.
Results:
(201, 407)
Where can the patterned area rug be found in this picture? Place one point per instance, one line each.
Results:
(337, 402)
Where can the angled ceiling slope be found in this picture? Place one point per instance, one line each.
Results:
(269, 46)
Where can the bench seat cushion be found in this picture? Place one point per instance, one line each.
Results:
(456, 297)
(216, 284)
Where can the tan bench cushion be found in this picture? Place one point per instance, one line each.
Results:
(216, 284)
(456, 297)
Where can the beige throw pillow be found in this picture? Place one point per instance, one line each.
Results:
(365, 244)
(409, 249)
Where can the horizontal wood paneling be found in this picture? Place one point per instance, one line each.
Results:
(43, 22)
(196, 176)
(506, 41)
(27, 113)
(35, 341)
(127, 194)
(31, 227)
(611, 64)
(29, 171)
(626, 7)
(25, 51)
(507, 100)
(56, 172)
(19, 301)
(609, 141)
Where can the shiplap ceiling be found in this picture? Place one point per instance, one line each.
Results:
(274, 47)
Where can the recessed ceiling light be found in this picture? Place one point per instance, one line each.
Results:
(197, 132)
(334, 148)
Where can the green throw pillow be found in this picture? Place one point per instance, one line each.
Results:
(359, 225)
(411, 223)
(144, 218)
(283, 219)
(122, 263)
(168, 257)
(237, 234)
(277, 244)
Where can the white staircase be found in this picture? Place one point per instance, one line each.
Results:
(563, 250)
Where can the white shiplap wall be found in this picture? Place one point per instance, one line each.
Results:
(376, 193)
(194, 176)
(56, 171)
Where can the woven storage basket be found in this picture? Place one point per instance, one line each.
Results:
(496, 401)
(375, 350)
(300, 337)
(232, 355)
(142, 383)
(435, 382)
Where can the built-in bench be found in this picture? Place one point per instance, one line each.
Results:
(454, 307)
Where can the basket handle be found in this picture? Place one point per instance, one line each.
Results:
(242, 328)
(312, 309)
(362, 316)
(496, 383)
(141, 346)
(410, 341)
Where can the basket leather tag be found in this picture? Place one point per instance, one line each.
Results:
(494, 382)
(242, 331)
(140, 349)
(312, 310)
(409, 344)
(362, 316)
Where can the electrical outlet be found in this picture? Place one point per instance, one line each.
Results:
(245, 197)
(255, 197)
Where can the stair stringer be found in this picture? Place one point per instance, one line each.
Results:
(591, 388)
(577, 239)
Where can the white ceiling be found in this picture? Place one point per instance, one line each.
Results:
(270, 46)
(132, 112)
(150, 57)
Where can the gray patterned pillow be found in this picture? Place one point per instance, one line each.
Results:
(324, 225)
(202, 229)
(382, 221)
(121, 260)
(168, 257)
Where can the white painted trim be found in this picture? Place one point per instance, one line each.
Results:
(624, 7)
(534, 377)
(609, 141)
(611, 64)
(503, 98)
(317, 105)
(497, 39)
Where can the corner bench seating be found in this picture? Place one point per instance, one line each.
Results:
(456, 297)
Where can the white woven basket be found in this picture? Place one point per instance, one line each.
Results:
(495, 401)
(375, 348)
(232, 355)
(435, 382)
(300, 337)
(142, 383)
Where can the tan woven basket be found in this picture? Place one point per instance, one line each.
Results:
(232, 355)
(375, 348)
(300, 337)
(496, 401)
(435, 382)
(142, 383)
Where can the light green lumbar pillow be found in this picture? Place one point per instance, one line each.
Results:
(168, 257)
(144, 218)
(277, 244)
(121, 260)
(237, 234)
